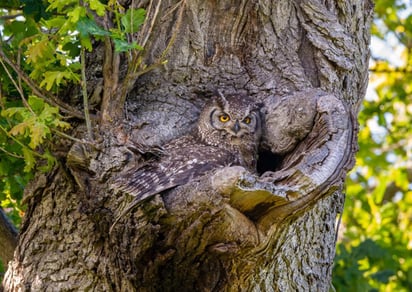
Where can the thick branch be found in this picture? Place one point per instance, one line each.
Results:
(111, 101)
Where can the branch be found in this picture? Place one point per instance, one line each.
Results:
(390, 71)
(11, 153)
(8, 17)
(110, 101)
(85, 97)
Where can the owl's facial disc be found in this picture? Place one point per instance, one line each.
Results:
(234, 124)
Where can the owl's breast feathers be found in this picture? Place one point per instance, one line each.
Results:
(182, 161)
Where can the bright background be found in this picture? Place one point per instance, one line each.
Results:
(374, 252)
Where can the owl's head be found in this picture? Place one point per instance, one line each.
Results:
(230, 120)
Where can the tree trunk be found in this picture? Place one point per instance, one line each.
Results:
(8, 238)
(230, 230)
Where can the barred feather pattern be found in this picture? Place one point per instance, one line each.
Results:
(179, 163)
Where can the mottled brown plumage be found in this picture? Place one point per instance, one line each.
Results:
(227, 133)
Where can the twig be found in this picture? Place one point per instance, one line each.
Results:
(133, 71)
(175, 29)
(8, 17)
(19, 89)
(390, 71)
(64, 135)
(172, 9)
(85, 97)
(18, 142)
(149, 31)
(11, 153)
(37, 91)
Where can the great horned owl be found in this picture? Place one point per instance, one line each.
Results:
(227, 133)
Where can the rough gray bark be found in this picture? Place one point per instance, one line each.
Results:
(230, 230)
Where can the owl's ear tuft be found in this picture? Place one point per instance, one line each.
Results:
(219, 98)
(259, 105)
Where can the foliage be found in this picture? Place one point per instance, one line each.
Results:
(375, 251)
(45, 39)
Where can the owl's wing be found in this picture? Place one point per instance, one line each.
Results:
(185, 164)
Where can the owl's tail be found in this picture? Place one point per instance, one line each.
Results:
(137, 201)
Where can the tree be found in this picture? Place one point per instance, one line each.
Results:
(305, 61)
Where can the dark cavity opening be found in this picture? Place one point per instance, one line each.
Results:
(268, 161)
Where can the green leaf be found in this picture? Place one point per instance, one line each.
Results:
(36, 103)
(62, 5)
(73, 48)
(86, 43)
(49, 114)
(10, 4)
(133, 19)
(13, 111)
(29, 160)
(51, 161)
(383, 276)
(123, 46)
(98, 7)
(55, 78)
(401, 178)
(35, 8)
(40, 50)
(86, 27)
(38, 132)
(22, 128)
(20, 30)
(61, 124)
(76, 14)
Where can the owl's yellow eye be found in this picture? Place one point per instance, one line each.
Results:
(247, 120)
(224, 118)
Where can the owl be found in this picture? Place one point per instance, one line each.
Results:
(227, 133)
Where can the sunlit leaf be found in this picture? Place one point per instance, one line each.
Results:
(36, 103)
(61, 5)
(133, 19)
(40, 50)
(76, 14)
(97, 6)
(29, 160)
(52, 78)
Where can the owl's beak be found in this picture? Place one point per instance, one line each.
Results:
(236, 127)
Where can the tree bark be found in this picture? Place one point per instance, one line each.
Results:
(8, 238)
(230, 230)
